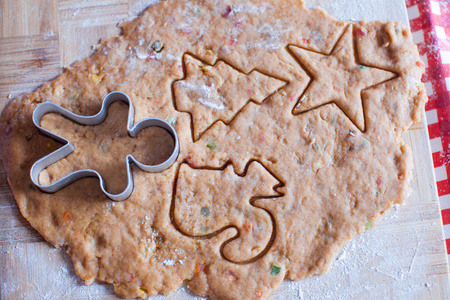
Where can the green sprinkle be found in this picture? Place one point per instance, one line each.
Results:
(368, 224)
(275, 270)
(205, 211)
(197, 12)
(32, 187)
(362, 67)
(205, 229)
(75, 95)
(171, 120)
(104, 148)
(211, 144)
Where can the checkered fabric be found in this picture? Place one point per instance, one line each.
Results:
(430, 27)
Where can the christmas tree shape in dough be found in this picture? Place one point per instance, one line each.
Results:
(219, 92)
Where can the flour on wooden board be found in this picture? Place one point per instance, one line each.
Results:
(52, 275)
(355, 258)
(365, 256)
(371, 254)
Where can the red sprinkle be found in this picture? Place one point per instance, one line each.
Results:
(358, 32)
(186, 30)
(152, 56)
(262, 138)
(191, 162)
(247, 226)
(66, 216)
(302, 270)
(224, 50)
(155, 103)
(379, 181)
(238, 23)
(230, 275)
(8, 130)
(420, 64)
(199, 267)
(291, 98)
(232, 42)
(305, 41)
(228, 11)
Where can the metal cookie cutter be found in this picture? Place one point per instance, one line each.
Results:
(41, 164)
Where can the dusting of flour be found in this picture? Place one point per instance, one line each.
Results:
(364, 269)
(375, 262)
(43, 272)
(380, 259)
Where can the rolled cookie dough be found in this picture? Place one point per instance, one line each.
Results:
(290, 129)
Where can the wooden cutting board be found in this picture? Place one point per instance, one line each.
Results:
(403, 257)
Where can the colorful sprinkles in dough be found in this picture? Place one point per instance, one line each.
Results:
(289, 125)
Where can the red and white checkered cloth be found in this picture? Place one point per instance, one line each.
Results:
(430, 27)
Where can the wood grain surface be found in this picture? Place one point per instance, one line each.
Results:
(403, 257)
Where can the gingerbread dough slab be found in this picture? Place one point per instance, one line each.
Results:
(289, 123)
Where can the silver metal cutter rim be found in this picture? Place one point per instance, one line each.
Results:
(48, 107)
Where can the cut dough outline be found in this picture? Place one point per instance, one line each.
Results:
(213, 64)
(349, 29)
(68, 148)
(251, 201)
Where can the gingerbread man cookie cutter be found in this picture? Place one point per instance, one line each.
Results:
(133, 129)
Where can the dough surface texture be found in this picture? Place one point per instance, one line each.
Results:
(289, 124)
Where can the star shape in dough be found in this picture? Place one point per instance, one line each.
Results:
(338, 78)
